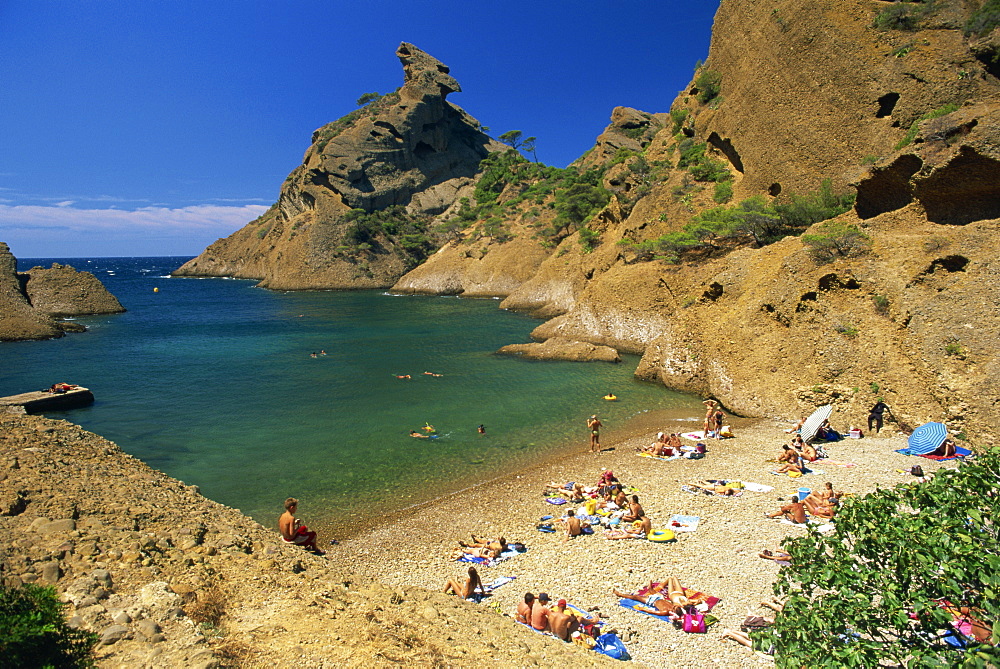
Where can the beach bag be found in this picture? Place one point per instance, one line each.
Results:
(610, 645)
(694, 623)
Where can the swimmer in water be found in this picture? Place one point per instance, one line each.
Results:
(398, 376)
(322, 352)
(429, 427)
(417, 435)
(432, 374)
(481, 429)
(312, 355)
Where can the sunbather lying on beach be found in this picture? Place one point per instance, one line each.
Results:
(713, 488)
(574, 492)
(776, 555)
(484, 548)
(655, 602)
(639, 529)
(472, 584)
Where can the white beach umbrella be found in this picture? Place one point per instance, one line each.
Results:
(811, 426)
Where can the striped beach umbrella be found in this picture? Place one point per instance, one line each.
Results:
(927, 438)
(811, 426)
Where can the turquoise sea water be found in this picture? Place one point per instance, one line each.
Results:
(211, 381)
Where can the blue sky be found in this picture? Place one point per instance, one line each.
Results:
(154, 128)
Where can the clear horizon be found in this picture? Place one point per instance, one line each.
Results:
(155, 129)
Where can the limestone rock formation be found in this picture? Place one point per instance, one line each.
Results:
(32, 301)
(396, 162)
(557, 348)
(792, 94)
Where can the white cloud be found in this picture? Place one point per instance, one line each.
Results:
(64, 203)
(62, 230)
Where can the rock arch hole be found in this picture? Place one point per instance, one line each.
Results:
(888, 188)
(966, 190)
(423, 149)
(774, 189)
(726, 147)
(886, 104)
(833, 282)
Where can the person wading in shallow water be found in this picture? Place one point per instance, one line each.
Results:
(595, 434)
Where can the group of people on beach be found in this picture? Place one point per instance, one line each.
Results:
(559, 620)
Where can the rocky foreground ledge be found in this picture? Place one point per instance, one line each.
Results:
(168, 578)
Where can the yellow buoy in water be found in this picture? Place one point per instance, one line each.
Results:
(156, 290)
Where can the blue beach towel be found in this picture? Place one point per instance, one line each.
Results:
(959, 453)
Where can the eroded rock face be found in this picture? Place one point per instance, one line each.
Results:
(411, 148)
(558, 348)
(952, 170)
(31, 301)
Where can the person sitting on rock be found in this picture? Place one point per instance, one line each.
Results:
(293, 531)
(472, 584)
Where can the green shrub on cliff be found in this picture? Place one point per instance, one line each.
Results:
(835, 239)
(985, 19)
(911, 134)
(903, 15)
(709, 85)
(882, 587)
(34, 633)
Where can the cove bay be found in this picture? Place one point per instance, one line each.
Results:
(213, 382)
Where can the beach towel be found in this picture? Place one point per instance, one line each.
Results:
(959, 453)
(488, 562)
(839, 463)
(679, 523)
(555, 500)
(804, 473)
(709, 604)
(657, 457)
(756, 487)
(694, 436)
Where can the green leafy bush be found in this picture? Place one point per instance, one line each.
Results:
(588, 239)
(34, 633)
(709, 85)
(911, 134)
(723, 192)
(881, 303)
(834, 239)
(985, 19)
(678, 116)
(699, 164)
(876, 591)
(366, 98)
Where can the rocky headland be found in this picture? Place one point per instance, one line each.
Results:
(812, 222)
(33, 303)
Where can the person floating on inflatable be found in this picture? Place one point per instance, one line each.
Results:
(611, 397)
(429, 427)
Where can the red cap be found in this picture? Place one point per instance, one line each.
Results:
(561, 603)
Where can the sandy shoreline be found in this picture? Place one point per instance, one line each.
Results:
(412, 548)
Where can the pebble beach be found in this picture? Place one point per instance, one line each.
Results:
(720, 558)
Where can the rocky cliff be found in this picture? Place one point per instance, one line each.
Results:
(896, 103)
(357, 212)
(32, 302)
(811, 221)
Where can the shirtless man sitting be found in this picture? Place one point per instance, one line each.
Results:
(563, 621)
(794, 512)
(635, 510)
(293, 531)
(472, 584)
(540, 613)
(574, 527)
(524, 609)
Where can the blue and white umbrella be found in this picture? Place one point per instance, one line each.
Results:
(927, 438)
(811, 426)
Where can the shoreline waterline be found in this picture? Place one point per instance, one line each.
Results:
(641, 424)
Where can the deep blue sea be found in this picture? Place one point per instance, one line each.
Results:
(212, 382)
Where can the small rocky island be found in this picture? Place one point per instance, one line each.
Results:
(33, 303)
